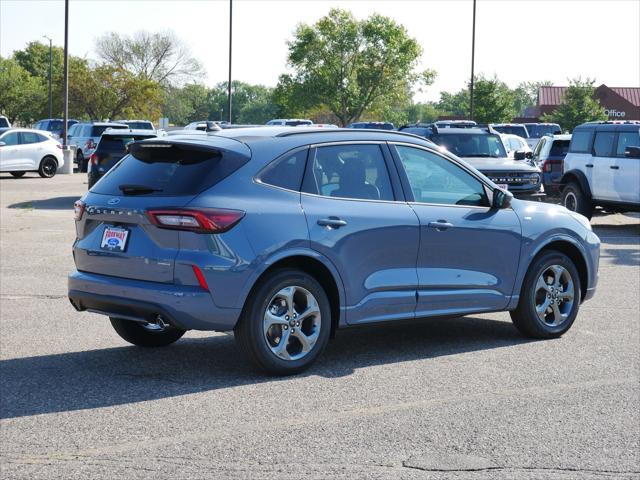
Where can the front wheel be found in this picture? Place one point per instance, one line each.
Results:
(550, 297)
(146, 334)
(574, 199)
(286, 323)
(17, 174)
(48, 167)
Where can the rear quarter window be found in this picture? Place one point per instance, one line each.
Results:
(286, 172)
(581, 142)
(171, 169)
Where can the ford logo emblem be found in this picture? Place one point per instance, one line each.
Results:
(113, 201)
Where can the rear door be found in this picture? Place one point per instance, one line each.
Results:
(469, 253)
(358, 219)
(604, 166)
(116, 237)
(627, 176)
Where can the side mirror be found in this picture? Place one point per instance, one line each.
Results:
(2, 144)
(529, 155)
(501, 198)
(630, 152)
(519, 155)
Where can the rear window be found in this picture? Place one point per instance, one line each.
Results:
(140, 125)
(97, 130)
(519, 130)
(539, 131)
(165, 169)
(580, 142)
(117, 143)
(415, 131)
(4, 122)
(559, 148)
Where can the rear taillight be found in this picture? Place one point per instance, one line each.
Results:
(78, 209)
(93, 159)
(547, 166)
(203, 220)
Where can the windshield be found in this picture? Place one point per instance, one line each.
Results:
(472, 145)
(519, 130)
(539, 131)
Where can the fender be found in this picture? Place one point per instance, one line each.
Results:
(526, 262)
(295, 252)
(580, 177)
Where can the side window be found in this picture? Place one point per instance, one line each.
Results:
(351, 171)
(515, 144)
(30, 137)
(538, 150)
(603, 144)
(435, 179)
(286, 172)
(10, 138)
(581, 142)
(627, 139)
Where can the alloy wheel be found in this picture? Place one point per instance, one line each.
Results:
(554, 295)
(291, 323)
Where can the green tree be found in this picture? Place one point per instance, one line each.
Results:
(493, 101)
(107, 92)
(526, 95)
(350, 66)
(456, 104)
(579, 106)
(21, 94)
(187, 104)
(422, 112)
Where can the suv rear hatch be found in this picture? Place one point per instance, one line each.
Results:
(117, 236)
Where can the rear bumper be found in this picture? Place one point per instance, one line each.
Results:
(184, 306)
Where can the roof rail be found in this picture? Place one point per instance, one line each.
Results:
(295, 131)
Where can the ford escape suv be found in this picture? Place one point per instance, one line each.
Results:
(286, 235)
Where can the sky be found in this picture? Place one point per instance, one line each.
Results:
(517, 40)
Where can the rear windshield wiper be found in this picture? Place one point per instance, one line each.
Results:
(137, 189)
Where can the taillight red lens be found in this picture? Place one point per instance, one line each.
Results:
(78, 209)
(93, 159)
(202, 220)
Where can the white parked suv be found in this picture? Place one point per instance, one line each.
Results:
(602, 168)
(25, 150)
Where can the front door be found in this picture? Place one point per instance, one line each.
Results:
(469, 252)
(360, 222)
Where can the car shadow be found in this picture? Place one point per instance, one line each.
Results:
(56, 203)
(114, 376)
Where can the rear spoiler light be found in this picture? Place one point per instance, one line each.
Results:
(201, 220)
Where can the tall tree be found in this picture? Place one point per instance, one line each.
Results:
(493, 101)
(526, 95)
(579, 106)
(350, 66)
(160, 57)
(21, 94)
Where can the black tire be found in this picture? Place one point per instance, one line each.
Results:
(575, 200)
(48, 167)
(137, 334)
(249, 331)
(525, 317)
(17, 174)
(82, 163)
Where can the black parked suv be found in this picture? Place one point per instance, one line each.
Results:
(482, 147)
(112, 146)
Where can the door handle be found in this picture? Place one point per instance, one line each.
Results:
(440, 225)
(615, 167)
(589, 165)
(332, 222)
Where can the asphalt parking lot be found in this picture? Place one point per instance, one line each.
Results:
(459, 398)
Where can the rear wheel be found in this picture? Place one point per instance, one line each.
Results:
(286, 323)
(574, 199)
(18, 174)
(146, 334)
(48, 167)
(82, 164)
(550, 297)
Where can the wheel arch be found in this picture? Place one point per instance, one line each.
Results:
(319, 268)
(571, 249)
(578, 177)
(48, 155)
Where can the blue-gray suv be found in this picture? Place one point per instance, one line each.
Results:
(286, 235)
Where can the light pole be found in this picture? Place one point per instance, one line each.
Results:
(230, 40)
(65, 108)
(473, 56)
(50, 69)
